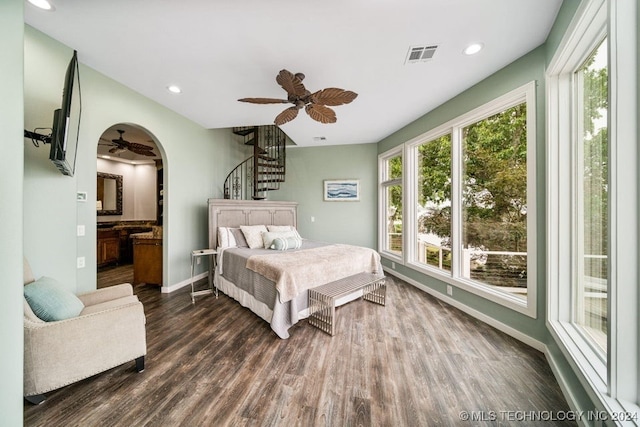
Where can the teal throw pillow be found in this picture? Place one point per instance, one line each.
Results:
(50, 301)
(284, 243)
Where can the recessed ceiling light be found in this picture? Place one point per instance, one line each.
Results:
(42, 4)
(474, 48)
(174, 89)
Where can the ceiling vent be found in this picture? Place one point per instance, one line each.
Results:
(420, 53)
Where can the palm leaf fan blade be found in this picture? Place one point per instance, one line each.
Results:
(143, 152)
(291, 83)
(286, 116)
(141, 149)
(333, 96)
(320, 113)
(264, 100)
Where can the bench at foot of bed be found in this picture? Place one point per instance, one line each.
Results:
(322, 300)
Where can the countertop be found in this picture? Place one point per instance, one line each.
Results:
(156, 233)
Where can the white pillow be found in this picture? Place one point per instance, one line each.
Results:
(226, 238)
(283, 228)
(253, 235)
(268, 237)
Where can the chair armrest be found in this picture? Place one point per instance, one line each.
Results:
(106, 294)
(96, 326)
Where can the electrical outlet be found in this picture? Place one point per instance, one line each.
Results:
(449, 290)
(393, 265)
(313, 219)
(80, 230)
(198, 260)
(80, 262)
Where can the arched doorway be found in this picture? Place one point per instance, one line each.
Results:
(129, 207)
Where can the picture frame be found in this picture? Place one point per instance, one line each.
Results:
(341, 190)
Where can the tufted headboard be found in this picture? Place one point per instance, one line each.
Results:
(234, 213)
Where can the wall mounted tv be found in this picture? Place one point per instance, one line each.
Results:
(66, 123)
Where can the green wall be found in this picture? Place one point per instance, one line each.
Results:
(335, 222)
(11, 123)
(196, 161)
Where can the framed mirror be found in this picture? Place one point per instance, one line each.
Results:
(109, 194)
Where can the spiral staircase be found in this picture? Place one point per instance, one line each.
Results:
(264, 170)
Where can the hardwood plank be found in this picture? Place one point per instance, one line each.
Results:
(415, 361)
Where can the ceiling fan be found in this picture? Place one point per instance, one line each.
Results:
(120, 145)
(315, 104)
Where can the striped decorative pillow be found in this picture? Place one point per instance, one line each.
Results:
(285, 243)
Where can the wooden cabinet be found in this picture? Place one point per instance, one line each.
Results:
(147, 261)
(126, 243)
(108, 247)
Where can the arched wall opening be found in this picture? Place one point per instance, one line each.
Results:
(130, 207)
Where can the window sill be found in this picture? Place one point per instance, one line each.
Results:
(591, 370)
(392, 256)
(497, 296)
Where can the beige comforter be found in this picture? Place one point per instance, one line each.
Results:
(294, 272)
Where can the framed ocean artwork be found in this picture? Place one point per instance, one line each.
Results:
(341, 190)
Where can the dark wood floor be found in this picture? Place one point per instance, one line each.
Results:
(414, 362)
(114, 274)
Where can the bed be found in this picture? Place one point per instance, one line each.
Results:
(274, 284)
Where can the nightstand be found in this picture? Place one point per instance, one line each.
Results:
(211, 253)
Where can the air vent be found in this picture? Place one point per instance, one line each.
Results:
(420, 53)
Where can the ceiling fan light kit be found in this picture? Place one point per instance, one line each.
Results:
(316, 104)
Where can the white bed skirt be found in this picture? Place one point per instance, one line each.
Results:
(261, 309)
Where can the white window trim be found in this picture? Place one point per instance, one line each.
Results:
(383, 183)
(612, 384)
(525, 93)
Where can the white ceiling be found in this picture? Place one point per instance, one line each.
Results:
(218, 51)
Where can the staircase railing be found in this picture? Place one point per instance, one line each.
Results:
(265, 170)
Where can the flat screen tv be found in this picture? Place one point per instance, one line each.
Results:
(66, 122)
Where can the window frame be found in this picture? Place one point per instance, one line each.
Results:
(524, 93)
(384, 183)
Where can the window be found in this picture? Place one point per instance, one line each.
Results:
(391, 203)
(433, 219)
(590, 192)
(593, 202)
(494, 201)
(469, 217)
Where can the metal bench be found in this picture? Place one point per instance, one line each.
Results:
(322, 299)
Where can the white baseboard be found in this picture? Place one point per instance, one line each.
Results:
(472, 312)
(566, 391)
(179, 285)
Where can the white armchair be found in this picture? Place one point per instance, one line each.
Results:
(109, 331)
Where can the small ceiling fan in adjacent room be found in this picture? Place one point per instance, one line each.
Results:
(120, 145)
(315, 104)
